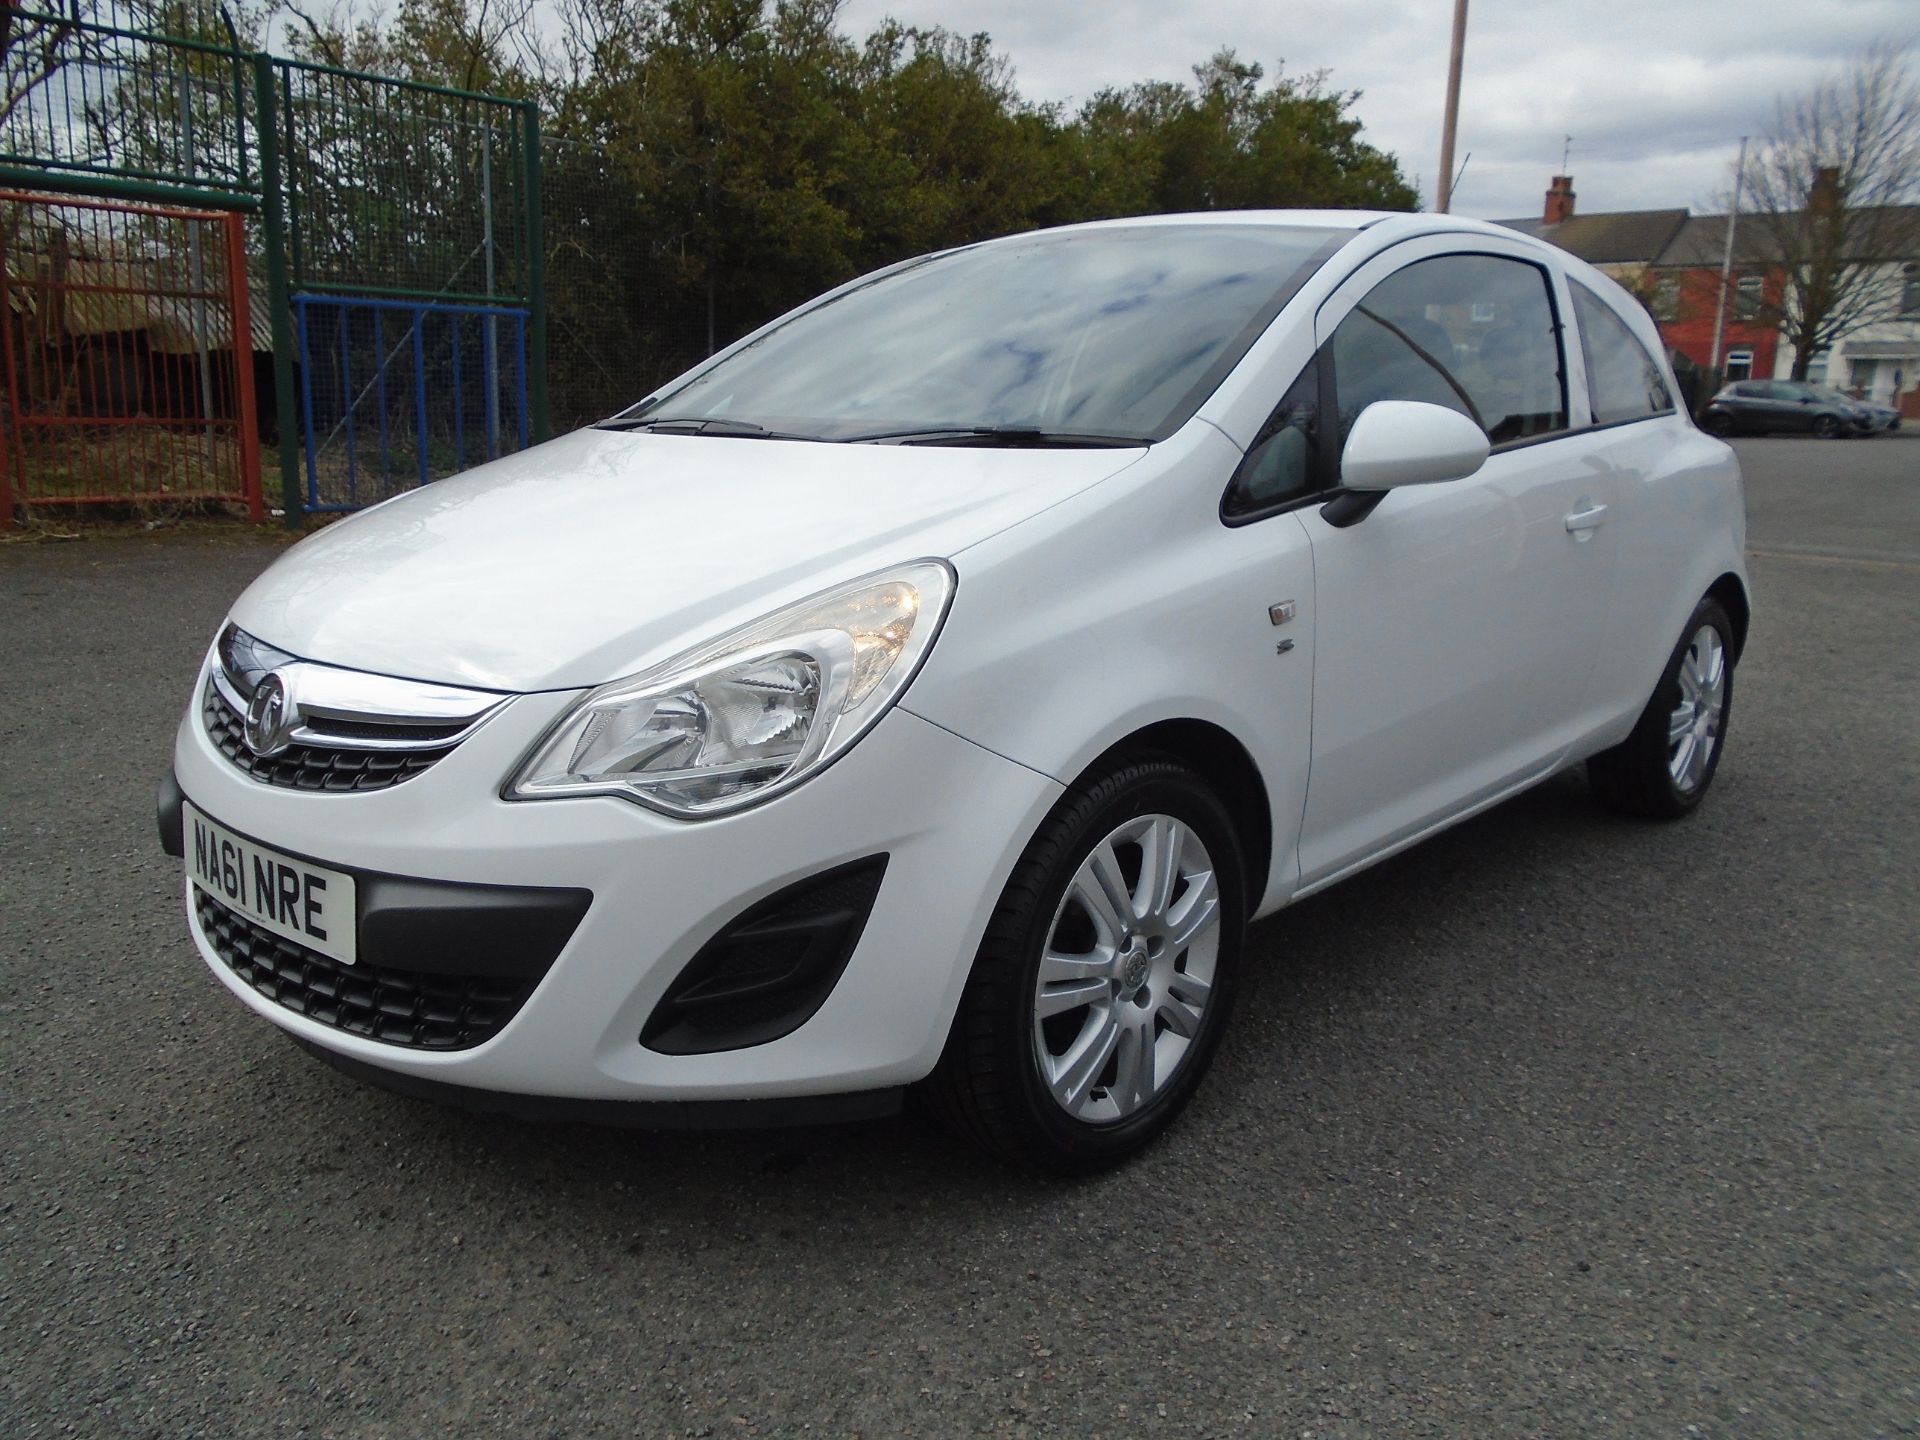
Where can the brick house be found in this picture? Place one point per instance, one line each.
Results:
(1685, 296)
(1671, 260)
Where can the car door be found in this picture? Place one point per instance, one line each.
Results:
(1457, 623)
(1790, 407)
(1656, 522)
(1747, 405)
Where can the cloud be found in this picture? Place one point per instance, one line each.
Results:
(1655, 93)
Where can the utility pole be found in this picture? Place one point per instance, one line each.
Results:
(1726, 260)
(1451, 123)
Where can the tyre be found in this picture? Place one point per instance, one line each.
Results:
(1106, 974)
(1664, 767)
(1826, 427)
(1716, 424)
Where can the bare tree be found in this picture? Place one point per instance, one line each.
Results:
(1834, 188)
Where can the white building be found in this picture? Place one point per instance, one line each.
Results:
(1879, 362)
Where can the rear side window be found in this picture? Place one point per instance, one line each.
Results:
(1623, 380)
(1474, 333)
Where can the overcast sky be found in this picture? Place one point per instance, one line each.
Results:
(1655, 93)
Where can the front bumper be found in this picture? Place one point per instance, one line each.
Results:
(950, 817)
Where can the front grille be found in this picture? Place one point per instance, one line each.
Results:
(425, 1011)
(322, 768)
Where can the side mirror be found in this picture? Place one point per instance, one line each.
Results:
(1409, 442)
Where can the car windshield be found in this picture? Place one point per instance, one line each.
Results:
(1100, 336)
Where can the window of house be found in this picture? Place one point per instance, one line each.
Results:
(1623, 380)
(1910, 290)
(1739, 364)
(1666, 298)
(1414, 338)
(1749, 297)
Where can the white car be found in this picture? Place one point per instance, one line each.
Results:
(930, 688)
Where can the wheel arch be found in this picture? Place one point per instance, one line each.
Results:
(1216, 755)
(1731, 591)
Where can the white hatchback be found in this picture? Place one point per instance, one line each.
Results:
(931, 687)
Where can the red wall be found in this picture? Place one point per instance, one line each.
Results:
(1691, 330)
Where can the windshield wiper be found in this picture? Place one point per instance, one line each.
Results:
(698, 425)
(1012, 437)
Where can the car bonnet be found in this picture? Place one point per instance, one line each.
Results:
(592, 556)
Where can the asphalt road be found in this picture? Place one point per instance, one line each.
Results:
(1557, 1125)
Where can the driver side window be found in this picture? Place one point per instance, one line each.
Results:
(1475, 333)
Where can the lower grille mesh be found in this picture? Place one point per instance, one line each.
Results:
(425, 1011)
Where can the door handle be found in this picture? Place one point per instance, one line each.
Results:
(1581, 521)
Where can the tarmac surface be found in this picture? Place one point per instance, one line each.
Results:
(1558, 1124)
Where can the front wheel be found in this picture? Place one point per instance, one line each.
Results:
(1104, 980)
(1664, 767)
(1826, 427)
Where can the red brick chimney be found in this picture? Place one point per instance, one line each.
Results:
(1559, 200)
(1824, 197)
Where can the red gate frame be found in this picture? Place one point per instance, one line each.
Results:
(246, 419)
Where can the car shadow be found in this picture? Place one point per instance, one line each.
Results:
(1379, 945)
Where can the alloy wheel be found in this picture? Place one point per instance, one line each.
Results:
(1128, 970)
(1694, 727)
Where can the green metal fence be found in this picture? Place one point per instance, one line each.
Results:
(354, 185)
(93, 106)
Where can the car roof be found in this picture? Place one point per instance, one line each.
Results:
(1281, 219)
(1380, 228)
(1402, 222)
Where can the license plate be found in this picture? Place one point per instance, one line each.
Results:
(306, 903)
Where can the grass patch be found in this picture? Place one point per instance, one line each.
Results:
(134, 465)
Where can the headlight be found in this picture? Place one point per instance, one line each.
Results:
(752, 714)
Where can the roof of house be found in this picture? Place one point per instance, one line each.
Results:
(1675, 238)
(1703, 241)
(1614, 238)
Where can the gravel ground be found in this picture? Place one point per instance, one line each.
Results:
(1558, 1124)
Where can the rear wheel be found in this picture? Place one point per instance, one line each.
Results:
(1664, 767)
(1105, 977)
(1826, 427)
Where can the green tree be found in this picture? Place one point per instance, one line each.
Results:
(1227, 144)
(713, 162)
